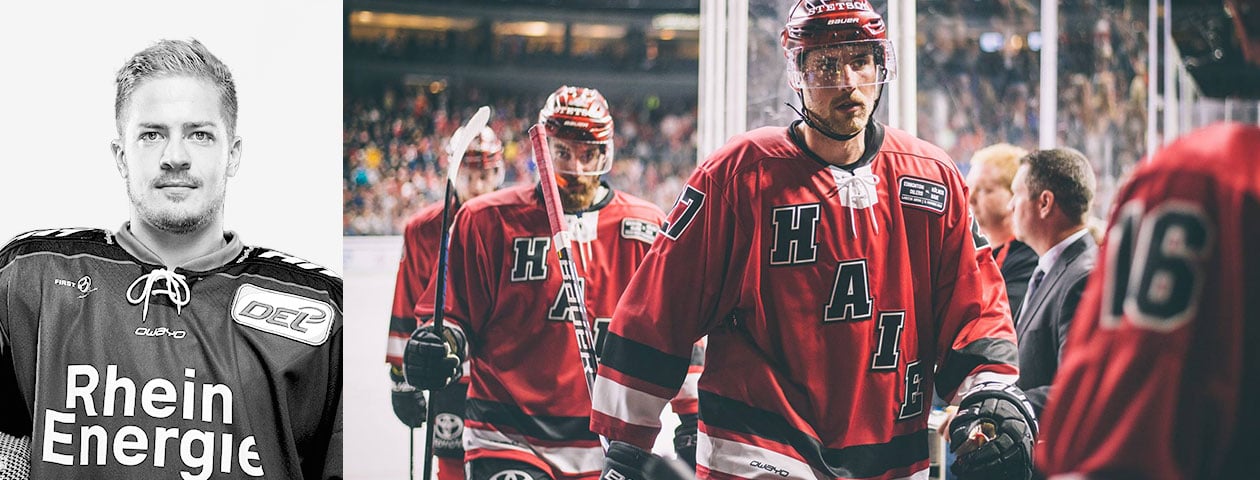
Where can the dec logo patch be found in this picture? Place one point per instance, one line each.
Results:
(303, 319)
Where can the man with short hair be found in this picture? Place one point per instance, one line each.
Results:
(169, 347)
(1050, 201)
(481, 172)
(989, 183)
(839, 276)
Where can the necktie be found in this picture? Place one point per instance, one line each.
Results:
(1038, 275)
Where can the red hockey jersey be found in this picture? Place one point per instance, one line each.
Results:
(228, 366)
(527, 396)
(834, 302)
(1161, 373)
(417, 266)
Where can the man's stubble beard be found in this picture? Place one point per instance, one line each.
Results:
(579, 199)
(170, 222)
(845, 125)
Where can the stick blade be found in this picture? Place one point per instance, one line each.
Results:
(459, 143)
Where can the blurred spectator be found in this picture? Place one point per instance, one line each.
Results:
(979, 78)
(395, 142)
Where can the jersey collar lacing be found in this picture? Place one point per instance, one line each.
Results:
(857, 191)
(176, 289)
(855, 183)
(165, 280)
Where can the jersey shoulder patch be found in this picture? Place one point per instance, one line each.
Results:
(922, 194)
(638, 229)
(296, 317)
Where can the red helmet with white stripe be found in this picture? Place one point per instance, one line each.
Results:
(579, 130)
(851, 41)
(485, 151)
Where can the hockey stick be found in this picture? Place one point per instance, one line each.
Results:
(562, 240)
(458, 146)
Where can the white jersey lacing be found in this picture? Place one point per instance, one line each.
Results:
(857, 191)
(176, 289)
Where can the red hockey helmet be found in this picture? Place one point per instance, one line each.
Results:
(485, 151)
(579, 130)
(831, 43)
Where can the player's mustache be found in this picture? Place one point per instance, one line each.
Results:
(176, 180)
(841, 102)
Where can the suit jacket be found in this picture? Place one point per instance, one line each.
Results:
(1017, 268)
(1042, 325)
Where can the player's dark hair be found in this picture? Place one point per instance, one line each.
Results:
(1067, 174)
(176, 57)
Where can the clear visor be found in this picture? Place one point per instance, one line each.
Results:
(581, 158)
(841, 65)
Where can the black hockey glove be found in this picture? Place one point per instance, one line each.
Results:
(685, 439)
(628, 462)
(993, 434)
(430, 362)
(410, 405)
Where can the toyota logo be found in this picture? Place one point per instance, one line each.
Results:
(448, 427)
(512, 475)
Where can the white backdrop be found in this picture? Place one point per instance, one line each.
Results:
(57, 113)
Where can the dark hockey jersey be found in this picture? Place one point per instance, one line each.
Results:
(834, 302)
(1160, 376)
(527, 396)
(228, 366)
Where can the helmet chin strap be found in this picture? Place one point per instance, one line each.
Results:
(807, 117)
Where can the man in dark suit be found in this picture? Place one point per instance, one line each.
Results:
(1052, 192)
(989, 194)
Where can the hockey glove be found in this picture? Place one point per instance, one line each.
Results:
(431, 362)
(628, 462)
(410, 405)
(685, 439)
(993, 434)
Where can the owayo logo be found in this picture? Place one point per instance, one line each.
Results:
(769, 468)
(512, 475)
(303, 319)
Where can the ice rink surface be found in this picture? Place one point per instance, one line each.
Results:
(375, 441)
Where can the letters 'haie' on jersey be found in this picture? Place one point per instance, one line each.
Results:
(527, 396)
(827, 296)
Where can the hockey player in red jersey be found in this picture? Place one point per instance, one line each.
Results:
(169, 348)
(1160, 378)
(840, 278)
(481, 172)
(528, 408)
